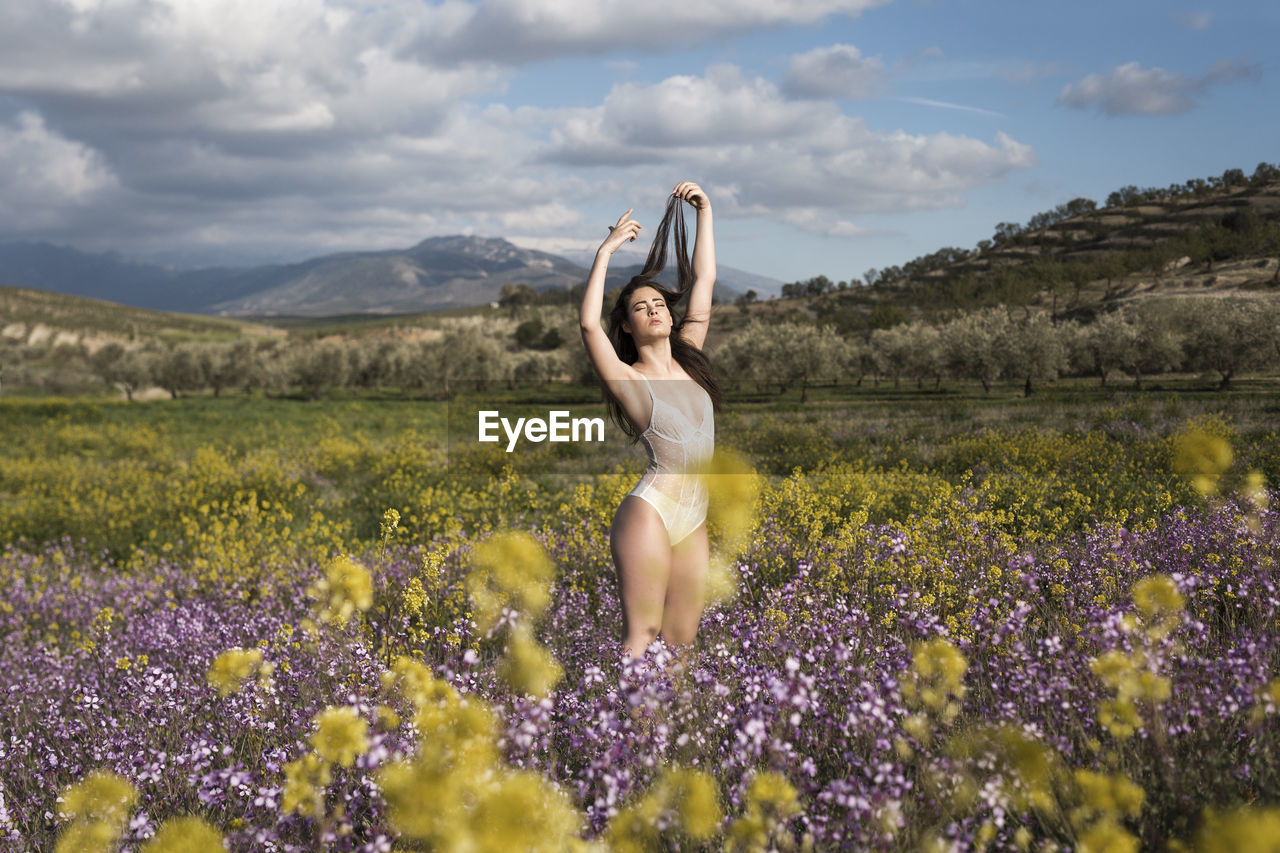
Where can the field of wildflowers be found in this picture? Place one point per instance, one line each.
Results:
(232, 628)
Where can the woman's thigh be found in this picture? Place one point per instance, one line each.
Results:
(686, 587)
(642, 556)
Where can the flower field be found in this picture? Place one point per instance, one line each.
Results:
(251, 630)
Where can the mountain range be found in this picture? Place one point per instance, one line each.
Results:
(436, 274)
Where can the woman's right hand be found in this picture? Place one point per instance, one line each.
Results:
(625, 231)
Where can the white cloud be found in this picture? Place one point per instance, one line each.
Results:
(230, 66)
(515, 31)
(44, 176)
(838, 71)
(638, 124)
(766, 155)
(817, 221)
(1132, 90)
(297, 126)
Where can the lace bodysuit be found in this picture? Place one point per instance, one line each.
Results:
(676, 447)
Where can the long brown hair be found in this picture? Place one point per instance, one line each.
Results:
(689, 357)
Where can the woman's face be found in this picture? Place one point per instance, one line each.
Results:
(647, 314)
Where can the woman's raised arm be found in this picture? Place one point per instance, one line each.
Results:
(698, 315)
(599, 348)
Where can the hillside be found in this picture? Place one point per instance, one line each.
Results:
(36, 317)
(439, 273)
(1220, 236)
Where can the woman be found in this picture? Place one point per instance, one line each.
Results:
(660, 389)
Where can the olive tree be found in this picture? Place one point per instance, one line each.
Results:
(972, 345)
(1105, 345)
(1156, 345)
(1033, 348)
(128, 369)
(318, 365)
(181, 367)
(1230, 336)
(912, 350)
(469, 356)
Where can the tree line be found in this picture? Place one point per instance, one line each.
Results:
(1239, 234)
(1222, 336)
(1012, 233)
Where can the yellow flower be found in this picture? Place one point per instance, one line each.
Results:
(1242, 830)
(917, 725)
(98, 806)
(1157, 598)
(1113, 796)
(232, 668)
(101, 795)
(1203, 457)
(1120, 717)
(509, 570)
(680, 797)
(93, 836)
(1254, 489)
(345, 588)
(523, 811)
(936, 678)
(938, 660)
(771, 801)
(699, 802)
(1107, 836)
(1155, 689)
(185, 835)
(305, 779)
(456, 793)
(722, 580)
(414, 681)
(341, 734)
(772, 792)
(390, 521)
(1114, 667)
(527, 666)
(388, 719)
(748, 833)
(733, 488)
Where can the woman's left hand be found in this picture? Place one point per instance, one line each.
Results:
(692, 193)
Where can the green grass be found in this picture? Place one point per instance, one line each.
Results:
(95, 316)
(111, 471)
(855, 419)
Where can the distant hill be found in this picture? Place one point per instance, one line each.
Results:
(1142, 241)
(38, 316)
(437, 274)
(108, 276)
(440, 272)
(1217, 236)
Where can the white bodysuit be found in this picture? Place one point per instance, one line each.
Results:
(677, 447)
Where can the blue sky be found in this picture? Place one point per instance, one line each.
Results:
(831, 135)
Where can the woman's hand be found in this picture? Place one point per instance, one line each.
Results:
(625, 231)
(692, 193)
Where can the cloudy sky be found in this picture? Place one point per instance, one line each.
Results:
(831, 135)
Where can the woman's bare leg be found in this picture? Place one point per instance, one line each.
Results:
(686, 587)
(642, 555)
